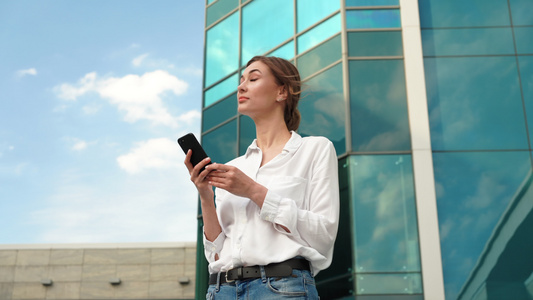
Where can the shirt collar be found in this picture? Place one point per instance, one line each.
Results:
(292, 144)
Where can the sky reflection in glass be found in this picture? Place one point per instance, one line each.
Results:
(475, 103)
(473, 191)
(222, 49)
(373, 18)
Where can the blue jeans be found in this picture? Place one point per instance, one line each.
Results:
(301, 285)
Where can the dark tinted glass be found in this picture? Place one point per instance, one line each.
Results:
(526, 76)
(522, 11)
(375, 43)
(320, 57)
(472, 41)
(322, 108)
(221, 143)
(219, 112)
(373, 18)
(460, 13)
(485, 215)
(378, 106)
(475, 103)
(219, 9)
(524, 40)
(387, 259)
(246, 133)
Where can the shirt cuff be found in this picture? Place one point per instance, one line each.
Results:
(270, 208)
(214, 247)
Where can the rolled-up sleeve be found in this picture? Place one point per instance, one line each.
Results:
(211, 249)
(316, 224)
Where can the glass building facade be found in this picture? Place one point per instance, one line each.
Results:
(429, 104)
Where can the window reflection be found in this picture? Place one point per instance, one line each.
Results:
(311, 11)
(246, 133)
(378, 106)
(460, 13)
(526, 76)
(371, 2)
(475, 103)
(219, 112)
(221, 143)
(222, 49)
(375, 18)
(220, 90)
(320, 57)
(386, 235)
(474, 41)
(485, 213)
(522, 12)
(265, 24)
(319, 33)
(375, 43)
(286, 51)
(219, 9)
(322, 107)
(524, 40)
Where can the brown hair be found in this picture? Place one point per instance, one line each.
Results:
(287, 75)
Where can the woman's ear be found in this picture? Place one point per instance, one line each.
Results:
(282, 93)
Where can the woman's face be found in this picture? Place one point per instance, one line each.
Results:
(258, 91)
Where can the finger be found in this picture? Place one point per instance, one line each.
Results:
(201, 164)
(187, 160)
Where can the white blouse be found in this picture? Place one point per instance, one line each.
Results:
(303, 196)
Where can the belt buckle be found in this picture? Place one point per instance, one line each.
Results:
(228, 280)
(239, 274)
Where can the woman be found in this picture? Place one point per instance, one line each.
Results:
(276, 215)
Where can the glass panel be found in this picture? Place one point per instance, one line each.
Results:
(402, 283)
(219, 112)
(522, 12)
(475, 103)
(475, 41)
(220, 90)
(524, 40)
(265, 25)
(485, 215)
(322, 108)
(371, 2)
(377, 18)
(222, 49)
(311, 11)
(319, 33)
(210, 1)
(246, 133)
(320, 57)
(219, 9)
(221, 143)
(286, 51)
(526, 76)
(379, 106)
(460, 13)
(337, 280)
(375, 43)
(384, 212)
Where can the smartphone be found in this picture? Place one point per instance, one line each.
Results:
(189, 141)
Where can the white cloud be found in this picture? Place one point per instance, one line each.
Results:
(138, 96)
(139, 59)
(80, 145)
(22, 73)
(161, 153)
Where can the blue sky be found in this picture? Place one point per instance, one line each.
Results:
(93, 95)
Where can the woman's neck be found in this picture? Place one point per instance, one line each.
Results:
(271, 135)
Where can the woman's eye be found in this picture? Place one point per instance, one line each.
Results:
(254, 79)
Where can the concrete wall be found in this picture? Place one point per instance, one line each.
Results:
(146, 271)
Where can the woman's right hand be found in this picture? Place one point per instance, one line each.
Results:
(199, 178)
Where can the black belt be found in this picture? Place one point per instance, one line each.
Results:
(282, 269)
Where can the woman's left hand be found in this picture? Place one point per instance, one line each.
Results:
(233, 180)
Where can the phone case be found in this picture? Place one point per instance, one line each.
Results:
(189, 141)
